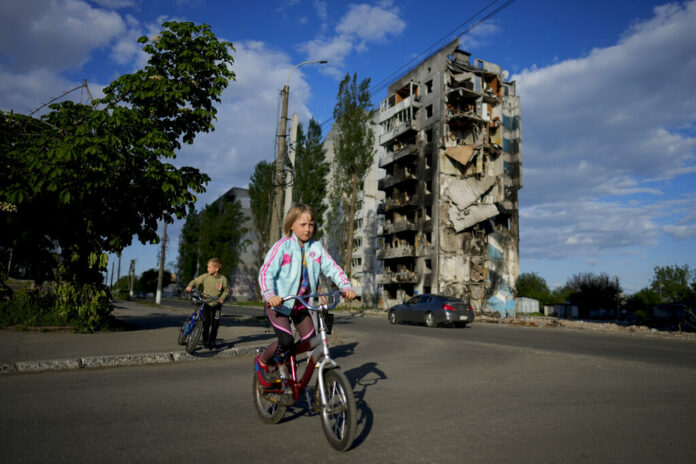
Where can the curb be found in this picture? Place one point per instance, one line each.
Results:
(125, 360)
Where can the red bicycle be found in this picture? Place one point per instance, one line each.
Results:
(333, 394)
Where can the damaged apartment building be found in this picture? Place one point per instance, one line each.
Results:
(449, 143)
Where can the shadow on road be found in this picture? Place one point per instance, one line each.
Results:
(362, 377)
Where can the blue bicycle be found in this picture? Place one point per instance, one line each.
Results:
(192, 328)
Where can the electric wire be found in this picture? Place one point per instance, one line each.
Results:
(447, 36)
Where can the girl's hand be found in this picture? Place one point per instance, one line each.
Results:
(349, 294)
(275, 301)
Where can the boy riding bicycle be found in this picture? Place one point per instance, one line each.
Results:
(214, 284)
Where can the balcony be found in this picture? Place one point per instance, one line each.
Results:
(399, 176)
(396, 227)
(402, 201)
(402, 128)
(405, 251)
(387, 278)
(406, 150)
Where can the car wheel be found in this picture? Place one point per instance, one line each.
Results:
(430, 320)
(392, 318)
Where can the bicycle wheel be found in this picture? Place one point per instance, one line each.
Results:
(268, 411)
(192, 342)
(184, 332)
(339, 415)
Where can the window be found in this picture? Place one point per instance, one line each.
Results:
(429, 111)
(429, 87)
(357, 224)
(357, 243)
(356, 262)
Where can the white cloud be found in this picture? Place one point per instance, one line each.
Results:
(362, 24)
(371, 23)
(115, 4)
(55, 35)
(599, 131)
(478, 36)
(681, 232)
(247, 118)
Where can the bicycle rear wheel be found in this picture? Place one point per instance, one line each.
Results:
(339, 415)
(268, 411)
(195, 336)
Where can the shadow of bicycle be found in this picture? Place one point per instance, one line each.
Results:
(362, 377)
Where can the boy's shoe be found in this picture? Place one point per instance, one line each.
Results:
(265, 376)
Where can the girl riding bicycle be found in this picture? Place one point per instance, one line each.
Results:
(292, 267)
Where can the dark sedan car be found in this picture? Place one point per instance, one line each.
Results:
(432, 310)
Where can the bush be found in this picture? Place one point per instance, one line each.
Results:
(84, 307)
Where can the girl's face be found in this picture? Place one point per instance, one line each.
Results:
(303, 227)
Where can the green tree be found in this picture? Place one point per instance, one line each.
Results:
(674, 284)
(531, 285)
(594, 291)
(641, 301)
(84, 179)
(353, 155)
(260, 202)
(148, 280)
(311, 169)
(187, 262)
(222, 233)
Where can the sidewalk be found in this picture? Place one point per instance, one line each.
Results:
(153, 341)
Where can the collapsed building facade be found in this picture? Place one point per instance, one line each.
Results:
(449, 144)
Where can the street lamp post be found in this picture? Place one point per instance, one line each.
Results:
(277, 208)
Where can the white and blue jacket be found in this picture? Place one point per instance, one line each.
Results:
(282, 269)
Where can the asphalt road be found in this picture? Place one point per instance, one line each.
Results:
(482, 394)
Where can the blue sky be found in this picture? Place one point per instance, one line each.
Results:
(607, 91)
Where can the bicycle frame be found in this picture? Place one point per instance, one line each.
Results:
(320, 351)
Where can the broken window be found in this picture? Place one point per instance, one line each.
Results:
(429, 87)
(429, 111)
(511, 123)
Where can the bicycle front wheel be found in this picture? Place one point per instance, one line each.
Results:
(339, 414)
(184, 332)
(192, 342)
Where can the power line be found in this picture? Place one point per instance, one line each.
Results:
(449, 36)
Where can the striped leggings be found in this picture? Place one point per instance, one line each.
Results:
(281, 326)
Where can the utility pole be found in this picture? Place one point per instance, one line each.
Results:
(118, 272)
(131, 272)
(277, 207)
(111, 285)
(291, 173)
(158, 297)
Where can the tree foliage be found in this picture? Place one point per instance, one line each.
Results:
(260, 199)
(148, 280)
(674, 284)
(84, 179)
(593, 291)
(311, 169)
(353, 156)
(218, 231)
(531, 285)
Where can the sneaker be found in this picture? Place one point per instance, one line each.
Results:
(265, 375)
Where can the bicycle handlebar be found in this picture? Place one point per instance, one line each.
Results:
(198, 295)
(304, 299)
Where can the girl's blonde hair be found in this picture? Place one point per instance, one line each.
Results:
(296, 210)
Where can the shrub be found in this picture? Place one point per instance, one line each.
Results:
(84, 307)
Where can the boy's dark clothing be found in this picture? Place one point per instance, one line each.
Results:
(211, 322)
